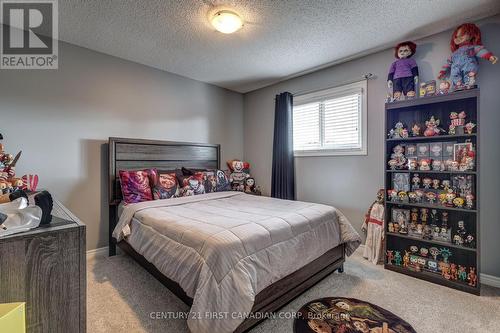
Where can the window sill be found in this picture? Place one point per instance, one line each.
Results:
(325, 152)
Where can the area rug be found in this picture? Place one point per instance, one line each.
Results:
(347, 315)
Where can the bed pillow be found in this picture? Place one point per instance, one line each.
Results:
(223, 183)
(191, 172)
(136, 185)
(210, 178)
(165, 186)
(192, 185)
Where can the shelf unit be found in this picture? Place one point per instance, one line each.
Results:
(418, 111)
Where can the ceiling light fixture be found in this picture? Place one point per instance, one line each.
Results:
(227, 21)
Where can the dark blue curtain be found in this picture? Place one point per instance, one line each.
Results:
(283, 178)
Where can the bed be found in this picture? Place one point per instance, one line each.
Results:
(210, 247)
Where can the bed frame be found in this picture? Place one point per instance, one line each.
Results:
(133, 154)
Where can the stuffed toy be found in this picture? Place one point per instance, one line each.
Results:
(403, 73)
(239, 173)
(374, 228)
(463, 64)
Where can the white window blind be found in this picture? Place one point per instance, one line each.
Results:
(331, 122)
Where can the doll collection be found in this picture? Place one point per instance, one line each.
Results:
(434, 260)
(458, 73)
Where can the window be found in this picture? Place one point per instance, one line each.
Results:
(331, 121)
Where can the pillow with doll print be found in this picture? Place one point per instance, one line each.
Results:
(166, 186)
(223, 183)
(193, 185)
(210, 181)
(136, 185)
(239, 172)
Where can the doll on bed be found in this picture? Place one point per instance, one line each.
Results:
(403, 73)
(374, 228)
(463, 64)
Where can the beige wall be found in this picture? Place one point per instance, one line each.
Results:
(61, 119)
(350, 183)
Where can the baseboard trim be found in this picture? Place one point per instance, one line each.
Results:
(101, 252)
(488, 280)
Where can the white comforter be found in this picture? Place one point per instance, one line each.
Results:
(224, 248)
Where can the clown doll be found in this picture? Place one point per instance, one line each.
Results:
(374, 228)
(463, 64)
(403, 73)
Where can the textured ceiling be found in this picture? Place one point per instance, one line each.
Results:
(280, 39)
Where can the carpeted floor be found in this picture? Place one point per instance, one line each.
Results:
(121, 295)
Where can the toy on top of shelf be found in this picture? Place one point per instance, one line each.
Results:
(453, 272)
(406, 259)
(459, 202)
(424, 164)
(463, 64)
(427, 182)
(432, 127)
(416, 181)
(403, 73)
(412, 164)
(470, 241)
(444, 87)
(428, 88)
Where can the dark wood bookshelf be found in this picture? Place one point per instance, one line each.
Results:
(431, 241)
(419, 110)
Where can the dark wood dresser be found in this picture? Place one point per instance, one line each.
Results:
(46, 268)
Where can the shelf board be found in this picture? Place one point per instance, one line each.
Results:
(436, 278)
(433, 172)
(423, 205)
(435, 242)
(433, 138)
(457, 95)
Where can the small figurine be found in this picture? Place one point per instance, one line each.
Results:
(450, 196)
(435, 183)
(437, 165)
(432, 127)
(403, 196)
(445, 184)
(466, 48)
(416, 181)
(406, 259)
(470, 242)
(390, 227)
(390, 257)
(432, 265)
(424, 252)
(396, 227)
(412, 197)
(420, 195)
(424, 164)
(472, 277)
(412, 164)
(414, 218)
(424, 214)
(444, 87)
(427, 182)
(453, 272)
(445, 272)
(434, 251)
(462, 273)
(431, 197)
(469, 201)
(399, 131)
(457, 240)
(459, 202)
(394, 195)
(413, 249)
(469, 127)
(398, 159)
(397, 258)
(415, 130)
(446, 254)
(403, 73)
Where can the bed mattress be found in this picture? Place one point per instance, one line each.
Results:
(224, 248)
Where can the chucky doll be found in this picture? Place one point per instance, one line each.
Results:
(403, 74)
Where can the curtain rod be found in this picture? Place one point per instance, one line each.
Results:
(367, 76)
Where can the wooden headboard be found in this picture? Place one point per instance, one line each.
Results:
(136, 154)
